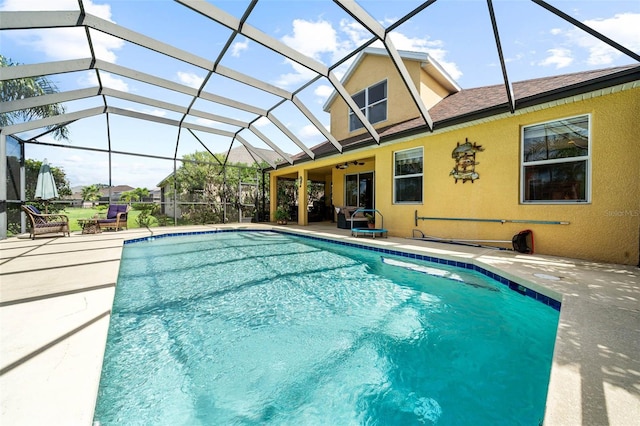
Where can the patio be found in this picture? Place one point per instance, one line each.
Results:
(56, 296)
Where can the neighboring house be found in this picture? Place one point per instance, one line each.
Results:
(236, 155)
(115, 191)
(565, 164)
(154, 195)
(75, 199)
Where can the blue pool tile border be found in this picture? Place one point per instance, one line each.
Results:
(512, 285)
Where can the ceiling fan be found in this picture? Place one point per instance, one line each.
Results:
(345, 165)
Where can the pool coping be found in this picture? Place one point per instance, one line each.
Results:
(56, 295)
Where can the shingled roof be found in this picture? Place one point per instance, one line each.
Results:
(472, 104)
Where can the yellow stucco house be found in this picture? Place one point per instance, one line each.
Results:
(562, 160)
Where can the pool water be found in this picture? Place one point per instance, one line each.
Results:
(249, 328)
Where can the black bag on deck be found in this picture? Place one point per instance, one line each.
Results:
(523, 241)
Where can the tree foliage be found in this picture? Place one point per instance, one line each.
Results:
(137, 194)
(91, 193)
(32, 169)
(21, 88)
(204, 182)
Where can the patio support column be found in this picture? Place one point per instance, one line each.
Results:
(273, 196)
(3, 186)
(303, 199)
(23, 188)
(328, 196)
(175, 193)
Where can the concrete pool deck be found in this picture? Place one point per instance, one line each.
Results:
(56, 296)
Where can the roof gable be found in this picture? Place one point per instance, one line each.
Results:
(471, 104)
(428, 64)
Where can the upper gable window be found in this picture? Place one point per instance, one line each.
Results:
(555, 161)
(372, 101)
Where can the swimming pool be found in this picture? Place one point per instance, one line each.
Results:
(268, 328)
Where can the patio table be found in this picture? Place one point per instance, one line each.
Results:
(90, 226)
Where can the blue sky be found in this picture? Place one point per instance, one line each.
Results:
(456, 33)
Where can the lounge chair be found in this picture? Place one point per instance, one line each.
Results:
(116, 217)
(46, 223)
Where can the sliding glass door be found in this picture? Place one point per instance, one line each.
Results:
(359, 190)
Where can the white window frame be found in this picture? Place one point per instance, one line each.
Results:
(586, 158)
(414, 175)
(367, 106)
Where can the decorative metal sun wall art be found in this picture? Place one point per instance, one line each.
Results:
(465, 158)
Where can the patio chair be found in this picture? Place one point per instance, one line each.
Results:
(46, 223)
(116, 217)
(348, 220)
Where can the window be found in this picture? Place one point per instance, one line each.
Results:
(555, 161)
(407, 176)
(372, 102)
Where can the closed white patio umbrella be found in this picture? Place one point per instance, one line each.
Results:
(46, 187)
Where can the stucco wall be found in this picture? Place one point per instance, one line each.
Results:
(605, 229)
(431, 92)
(400, 107)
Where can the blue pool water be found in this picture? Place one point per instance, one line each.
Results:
(252, 328)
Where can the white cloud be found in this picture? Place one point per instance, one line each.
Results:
(86, 168)
(433, 47)
(139, 174)
(100, 10)
(75, 164)
(213, 124)
(108, 80)
(323, 91)
(355, 34)
(75, 159)
(205, 122)
(517, 57)
(318, 38)
(310, 133)
(312, 38)
(239, 47)
(105, 46)
(64, 43)
(299, 76)
(190, 79)
(156, 112)
(623, 28)
(262, 122)
(560, 57)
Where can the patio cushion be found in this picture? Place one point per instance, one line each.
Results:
(114, 220)
(33, 209)
(114, 209)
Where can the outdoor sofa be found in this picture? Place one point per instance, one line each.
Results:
(346, 219)
(46, 223)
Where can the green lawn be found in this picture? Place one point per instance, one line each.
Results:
(75, 213)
